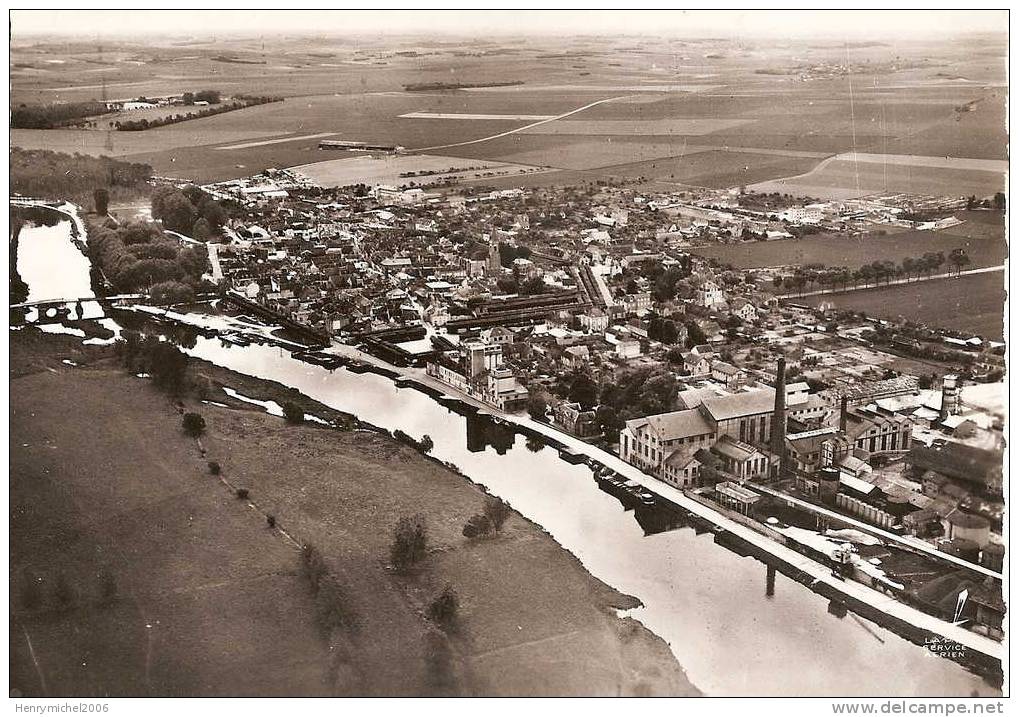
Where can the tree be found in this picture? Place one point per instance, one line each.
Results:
(426, 444)
(537, 406)
(584, 390)
(193, 424)
(410, 542)
(534, 285)
(694, 335)
(171, 292)
(444, 608)
(958, 259)
(201, 230)
(210, 96)
(497, 511)
(609, 422)
(293, 413)
(167, 363)
(507, 285)
(101, 198)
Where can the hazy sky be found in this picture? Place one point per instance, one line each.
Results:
(853, 25)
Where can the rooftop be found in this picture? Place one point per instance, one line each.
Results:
(678, 424)
(749, 403)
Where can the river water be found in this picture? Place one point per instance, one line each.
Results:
(51, 265)
(731, 633)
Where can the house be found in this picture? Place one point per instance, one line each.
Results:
(727, 375)
(697, 364)
(574, 419)
(594, 321)
(498, 335)
(710, 295)
(575, 357)
(746, 311)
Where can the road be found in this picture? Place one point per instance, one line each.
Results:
(894, 282)
(519, 129)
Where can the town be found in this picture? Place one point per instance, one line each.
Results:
(589, 309)
(508, 353)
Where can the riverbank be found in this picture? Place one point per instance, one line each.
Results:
(211, 599)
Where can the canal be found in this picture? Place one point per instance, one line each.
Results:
(735, 628)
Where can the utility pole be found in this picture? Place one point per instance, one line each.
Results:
(108, 143)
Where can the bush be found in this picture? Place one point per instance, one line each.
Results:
(214, 468)
(444, 608)
(477, 526)
(293, 413)
(426, 444)
(410, 542)
(271, 520)
(194, 424)
(242, 493)
(497, 511)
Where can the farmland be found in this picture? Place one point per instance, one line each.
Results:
(663, 106)
(391, 170)
(966, 303)
(981, 235)
(852, 175)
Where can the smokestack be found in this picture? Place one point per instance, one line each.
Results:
(844, 413)
(778, 418)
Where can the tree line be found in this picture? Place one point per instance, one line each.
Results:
(53, 175)
(53, 116)
(238, 103)
(138, 257)
(812, 275)
(189, 211)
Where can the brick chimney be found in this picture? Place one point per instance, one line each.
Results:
(778, 418)
(844, 413)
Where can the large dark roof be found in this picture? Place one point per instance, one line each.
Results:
(958, 461)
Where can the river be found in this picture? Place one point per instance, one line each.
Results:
(731, 633)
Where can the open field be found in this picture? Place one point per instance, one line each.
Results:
(125, 144)
(387, 169)
(666, 95)
(467, 116)
(981, 235)
(851, 175)
(211, 601)
(713, 168)
(967, 303)
(686, 127)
